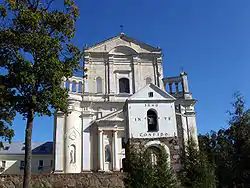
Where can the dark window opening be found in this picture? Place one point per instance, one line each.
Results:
(124, 85)
(152, 121)
(123, 142)
(73, 89)
(21, 164)
(150, 94)
(40, 163)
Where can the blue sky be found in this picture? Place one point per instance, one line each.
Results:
(210, 39)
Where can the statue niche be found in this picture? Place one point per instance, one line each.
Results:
(72, 154)
(107, 153)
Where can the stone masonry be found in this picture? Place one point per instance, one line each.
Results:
(82, 180)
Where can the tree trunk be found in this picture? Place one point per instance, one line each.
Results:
(28, 152)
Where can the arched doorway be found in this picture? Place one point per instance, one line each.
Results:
(152, 152)
(154, 147)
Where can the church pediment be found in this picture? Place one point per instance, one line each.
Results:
(115, 116)
(151, 92)
(122, 40)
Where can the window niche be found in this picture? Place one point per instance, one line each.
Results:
(152, 121)
(72, 154)
(107, 153)
(148, 80)
(73, 89)
(124, 85)
(98, 85)
(80, 90)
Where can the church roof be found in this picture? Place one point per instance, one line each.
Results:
(115, 116)
(157, 94)
(127, 39)
(16, 148)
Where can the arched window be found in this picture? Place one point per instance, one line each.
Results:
(80, 87)
(67, 84)
(98, 85)
(152, 121)
(73, 86)
(124, 85)
(107, 153)
(148, 80)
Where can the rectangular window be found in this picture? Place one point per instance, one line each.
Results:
(40, 163)
(3, 164)
(21, 164)
(150, 94)
(99, 115)
(123, 142)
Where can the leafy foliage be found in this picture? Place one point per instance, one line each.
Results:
(197, 170)
(142, 173)
(229, 148)
(7, 114)
(36, 53)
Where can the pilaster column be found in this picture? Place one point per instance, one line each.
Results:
(72, 140)
(85, 86)
(59, 142)
(77, 86)
(176, 87)
(170, 88)
(111, 74)
(70, 85)
(184, 82)
(100, 139)
(115, 163)
(135, 75)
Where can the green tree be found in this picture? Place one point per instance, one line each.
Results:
(238, 135)
(197, 170)
(233, 147)
(163, 173)
(142, 173)
(7, 114)
(36, 53)
(229, 149)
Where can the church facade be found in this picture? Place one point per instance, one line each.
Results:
(125, 96)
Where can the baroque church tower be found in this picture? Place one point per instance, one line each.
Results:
(125, 96)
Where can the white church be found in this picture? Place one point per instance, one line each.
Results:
(125, 96)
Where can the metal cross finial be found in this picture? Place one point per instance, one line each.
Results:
(121, 26)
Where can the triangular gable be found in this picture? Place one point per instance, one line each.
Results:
(115, 116)
(122, 40)
(158, 94)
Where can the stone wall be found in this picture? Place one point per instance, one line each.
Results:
(82, 180)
